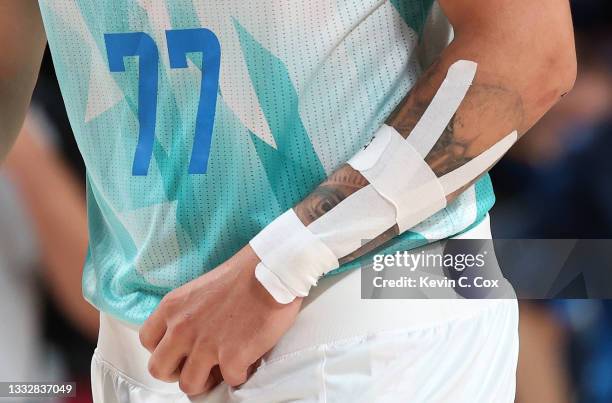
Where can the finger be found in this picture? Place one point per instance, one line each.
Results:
(214, 379)
(167, 358)
(252, 368)
(234, 375)
(196, 372)
(153, 330)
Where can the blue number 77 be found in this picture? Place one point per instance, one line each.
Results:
(180, 43)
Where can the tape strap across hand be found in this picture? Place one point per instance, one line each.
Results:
(402, 190)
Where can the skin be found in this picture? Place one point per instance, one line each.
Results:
(242, 324)
(54, 199)
(19, 65)
(224, 321)
(541, 372)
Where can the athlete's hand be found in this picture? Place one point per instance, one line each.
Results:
(223, 318)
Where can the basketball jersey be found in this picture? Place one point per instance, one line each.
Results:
(200, 121)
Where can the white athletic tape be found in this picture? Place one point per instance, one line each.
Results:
(293, 253)
(403, 178)
(403, 191)
(343, 239)
(455, 180)
(443, 106)
(369, 156)
(275, 286)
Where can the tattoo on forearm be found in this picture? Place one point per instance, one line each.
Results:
(449, 152)
(487, 108)
(340, 185)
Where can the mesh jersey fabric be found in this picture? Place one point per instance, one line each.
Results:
(200, 121)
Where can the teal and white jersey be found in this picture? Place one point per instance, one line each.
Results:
(200, 121)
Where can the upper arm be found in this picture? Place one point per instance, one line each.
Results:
(520, 30)
(527, 45)
(518, 18)
(22, 43)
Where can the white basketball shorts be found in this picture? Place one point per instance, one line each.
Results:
(345, 349)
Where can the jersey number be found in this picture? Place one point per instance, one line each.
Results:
(180, 43)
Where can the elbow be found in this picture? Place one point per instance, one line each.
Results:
(567, 70)
(549, 73)
(558, 67)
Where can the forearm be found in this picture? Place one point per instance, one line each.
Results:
(514, 86)
(54, 200)
(501, 73)
(22, 43)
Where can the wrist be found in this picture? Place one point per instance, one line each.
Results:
(274, 286)
(249, 267)
(292, 258)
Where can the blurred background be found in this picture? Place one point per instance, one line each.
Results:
(556, 183)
